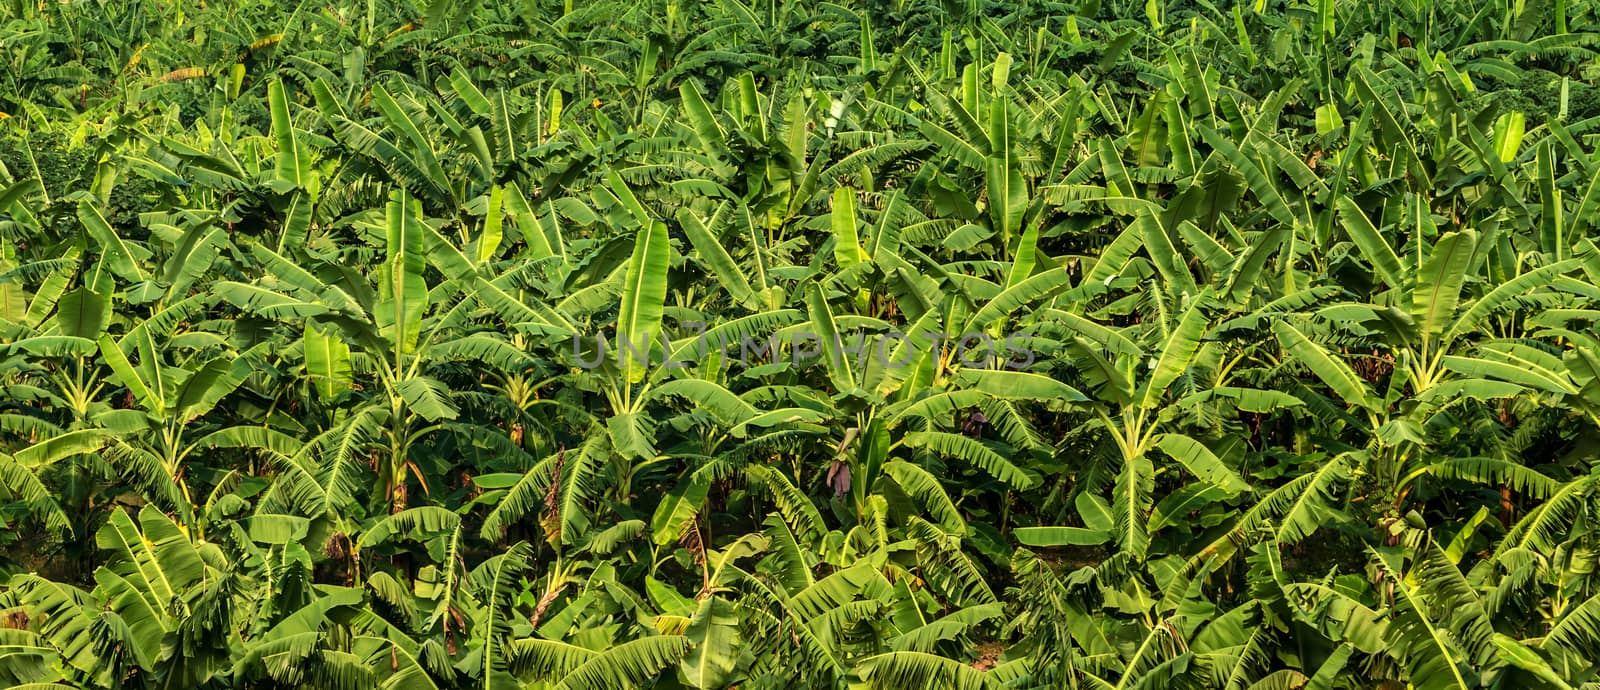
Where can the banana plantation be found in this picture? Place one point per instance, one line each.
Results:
(796, 344)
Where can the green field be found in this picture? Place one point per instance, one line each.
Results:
(799, 345)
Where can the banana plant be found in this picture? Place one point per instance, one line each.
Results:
(151, 607)
(402, 327)
(1445, 333)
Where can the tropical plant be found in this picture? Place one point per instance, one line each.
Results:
(799, 345)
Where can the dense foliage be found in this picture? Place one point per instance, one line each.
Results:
(312, 320)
